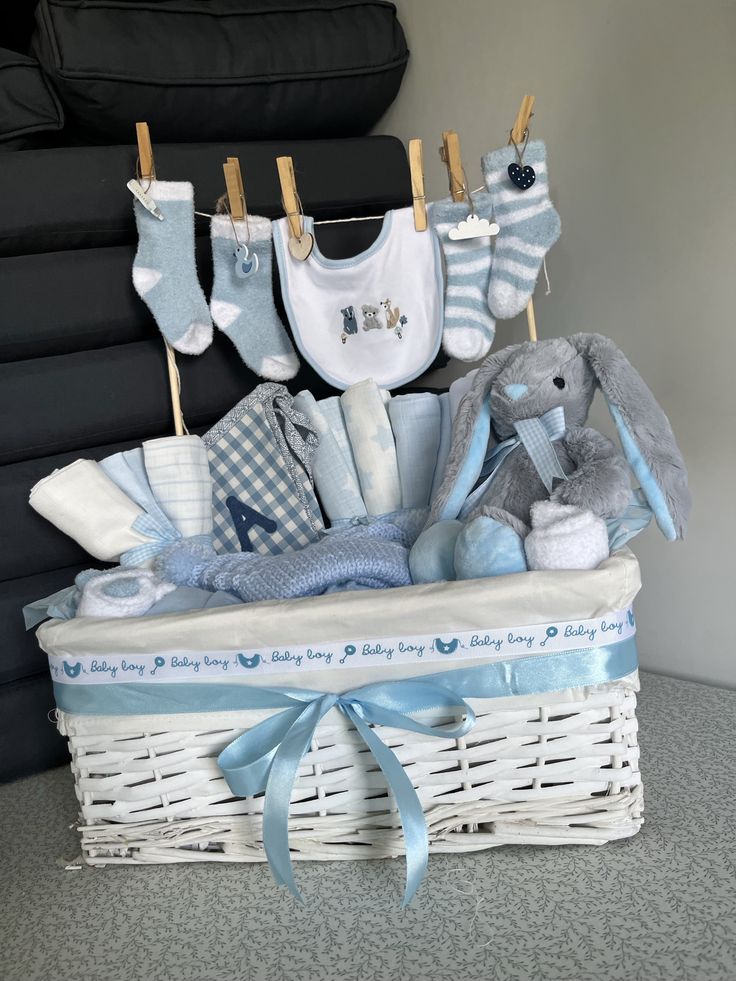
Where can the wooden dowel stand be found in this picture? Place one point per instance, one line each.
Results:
(520, 126)
(179, 427)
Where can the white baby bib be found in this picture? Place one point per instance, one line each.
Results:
(376, 315)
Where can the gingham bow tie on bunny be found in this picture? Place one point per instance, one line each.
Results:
(536, 436)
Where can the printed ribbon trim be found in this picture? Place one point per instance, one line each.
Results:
(266, 758)
(536, 436)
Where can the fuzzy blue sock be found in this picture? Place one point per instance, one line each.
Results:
(165, 270)
(529, 225)
(243, 308)
(469, 327)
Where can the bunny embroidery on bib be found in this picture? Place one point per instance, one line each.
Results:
(377, 314)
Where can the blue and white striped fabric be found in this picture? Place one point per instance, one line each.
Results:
(179, 476)
(260, 457)
(529, 227)
(415, 421)
(469, 327)
(334, 471)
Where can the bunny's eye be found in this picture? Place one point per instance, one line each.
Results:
(559, 382)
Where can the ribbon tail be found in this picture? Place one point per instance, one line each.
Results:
(282, 775)
(411, 813)
(246, 761)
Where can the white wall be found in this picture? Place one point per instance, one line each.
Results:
(635, 101)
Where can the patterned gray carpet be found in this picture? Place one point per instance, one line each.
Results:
(659, 907)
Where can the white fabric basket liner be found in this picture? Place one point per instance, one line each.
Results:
(508, 604)
(552, 768)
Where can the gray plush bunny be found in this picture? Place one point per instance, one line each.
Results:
(528, 404)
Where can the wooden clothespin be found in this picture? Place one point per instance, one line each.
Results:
(419, 200)
(145, 152)
(450, 156)
(523, 116)
(147, 172)
(290, 196)
(521, 124)
(235, 190)
(300, 242)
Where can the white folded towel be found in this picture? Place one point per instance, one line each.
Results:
(84, 503)
(565, 537)
(179, 475)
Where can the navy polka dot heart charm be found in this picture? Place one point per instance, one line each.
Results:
(523, 177)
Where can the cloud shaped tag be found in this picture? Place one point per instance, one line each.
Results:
(473, 227)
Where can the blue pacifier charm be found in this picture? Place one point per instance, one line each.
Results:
(245, 263)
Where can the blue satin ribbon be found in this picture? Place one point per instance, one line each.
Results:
(266, 758)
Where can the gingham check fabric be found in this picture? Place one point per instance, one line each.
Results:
(259, 456)
(537, 436)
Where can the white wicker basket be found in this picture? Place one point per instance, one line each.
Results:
(553, 772)
(558, 768)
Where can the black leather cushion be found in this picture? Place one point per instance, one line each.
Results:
(28, 105)
(82, 366)
(224, 69)
(79, 197)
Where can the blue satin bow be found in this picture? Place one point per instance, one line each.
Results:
(267, 758)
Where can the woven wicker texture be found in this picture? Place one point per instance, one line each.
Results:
(558, 771)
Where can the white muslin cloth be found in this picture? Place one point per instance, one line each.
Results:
(335, 476)
(122, 593)
(443, 450)
(415, 421)
(374, 449)
(84, 503)
(565, 537)
(179, 475)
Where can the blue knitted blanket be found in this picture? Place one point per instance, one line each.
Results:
(358, 556)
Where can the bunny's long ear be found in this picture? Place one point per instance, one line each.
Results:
(644, 431)
(471, 430)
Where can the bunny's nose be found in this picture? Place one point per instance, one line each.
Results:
(515, 392)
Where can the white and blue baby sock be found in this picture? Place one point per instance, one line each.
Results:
(165, 269)
(468, 325)
(243, 307)
(529, 227)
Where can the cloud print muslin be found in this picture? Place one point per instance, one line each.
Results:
(374, 449)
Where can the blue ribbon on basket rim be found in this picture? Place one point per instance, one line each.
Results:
(266, 758)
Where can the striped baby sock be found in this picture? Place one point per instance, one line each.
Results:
(165, 270)
(468, 324)
(243, 308)
(529, 227)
